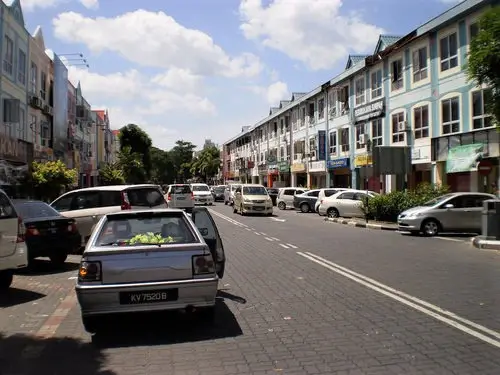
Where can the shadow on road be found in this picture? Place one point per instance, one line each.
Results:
(223, 294)
(29, 355)
(14, 296)
(165, 328)
(39, 267)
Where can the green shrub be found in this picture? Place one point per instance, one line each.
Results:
(387, 207)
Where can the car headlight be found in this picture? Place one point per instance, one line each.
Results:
(414, 214)
(246, 200)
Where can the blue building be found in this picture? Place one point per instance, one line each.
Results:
(411, 91)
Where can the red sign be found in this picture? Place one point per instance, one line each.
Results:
(250, 164)
(485, 166)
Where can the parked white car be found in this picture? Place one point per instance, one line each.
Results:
(13, 250)
(202, 194)
(347, 203)
(325, 193)
(229, 194)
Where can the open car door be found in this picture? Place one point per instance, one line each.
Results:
(206, 225)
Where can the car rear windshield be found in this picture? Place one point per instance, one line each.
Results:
(33, 210)
(181, 189)
(145, 197)
(219, 189)
(145, 229)
(254, 190)
(200, 188)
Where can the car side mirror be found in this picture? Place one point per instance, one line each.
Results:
(448, 206)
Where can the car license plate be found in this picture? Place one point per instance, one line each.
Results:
(180, 198)
(258, 208)
(150, 296)
(202, 200)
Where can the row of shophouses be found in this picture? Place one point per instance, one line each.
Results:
(412, 91)
(44, 116)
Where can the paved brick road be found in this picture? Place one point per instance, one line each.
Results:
(278, 314)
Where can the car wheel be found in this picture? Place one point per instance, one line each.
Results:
(282, 205)
(207, 314)
(91, 324)
(430, 227)
(225, 203)
(304, 207)
(332, 213)
(58, 260)
(6, 278)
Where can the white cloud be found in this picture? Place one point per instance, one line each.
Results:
(154, 39)
(30, 5)
(313, 32)
(273, 93)
(179, 80)
(90, 4)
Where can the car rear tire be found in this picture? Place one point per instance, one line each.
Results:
(282, 205)
(332, 213)
(225, 203)
(91, 324)
(430, 228)
(58, 260)
(6, 278)
(304, 207)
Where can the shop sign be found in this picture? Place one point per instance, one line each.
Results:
(271, 159)
(250, 164)
(298, 167)
(236, 173)
(362, 160)
(317, 166)
(338, 163)
(274, 170)
(485, 167)
(369, 111)
(322, 145)
(262, 169)
(12, 149)
(464, 158)
(283, 166)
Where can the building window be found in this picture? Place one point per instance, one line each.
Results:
(21, 67)
(360, 91)
(303, 117)
(421, 121)
(473, 30)
(376, 84)
(450, 115)
(420, 70)
(11, 109)
(310, 113)
(22, 124)
(333, 142)
(398, 132)
(8, 59)
(282, 153)
(33, 77)
(480, 118)
(321, 108)
(360, 130)
(449, 52)
(397, 75)
(344, 140)
(43, 85)
(312, 147)
(377, 133)
(344, 100)
(332, 108)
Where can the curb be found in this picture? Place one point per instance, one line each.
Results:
(480, 242)
(359, 224)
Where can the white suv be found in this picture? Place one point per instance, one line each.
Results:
(13, 250)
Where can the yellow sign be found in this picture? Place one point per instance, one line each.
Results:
(363, 160)
(298, 167)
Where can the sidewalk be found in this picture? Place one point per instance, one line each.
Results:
(485, 243)
(360, 223)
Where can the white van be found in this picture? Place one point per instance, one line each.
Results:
(13, 250)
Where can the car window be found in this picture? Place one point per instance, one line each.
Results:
(289, 192)
(205, 225)
(6, 209)
(145, 197)
(145, 228)
(479, 200)
(64, 203)
(181, 189)
(359, 197)
(29, 210)
(254, 190)
(299, 192)
(86, 200)
(111, 198)
(200, 188)
(238, 189)
(329, 193)
(313, 193)
(347, 195)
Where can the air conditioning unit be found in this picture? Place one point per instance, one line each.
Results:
(402, 126)
(362, 139)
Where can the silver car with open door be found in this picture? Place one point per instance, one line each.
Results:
(150, 260)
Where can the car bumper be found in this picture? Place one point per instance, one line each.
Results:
(203, 201)
(17, 260)
(265, 210)
(410, 224)
(41, 247)
(105, 299)
(322, 210)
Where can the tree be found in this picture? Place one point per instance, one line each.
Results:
(111, 174)
(131, 165)
(139, 142)
(182, 156)
(49, 178)
(484, 58)
(162, 171)
(207, 163)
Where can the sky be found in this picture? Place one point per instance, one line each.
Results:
(203, 69)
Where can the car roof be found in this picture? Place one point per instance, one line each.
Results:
(252, 185)
(113, 187)
(145, 210)
(199, 183)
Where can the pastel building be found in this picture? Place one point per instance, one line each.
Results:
(411, 91)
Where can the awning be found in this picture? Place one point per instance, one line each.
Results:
(464, 158)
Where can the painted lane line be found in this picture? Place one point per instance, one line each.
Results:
(228, 219)
(292, 246)
(408, 300)
(276, 219)
(264, 234)
(257, 233)
(276, 239)
(269, 239)
(450, 239)
(283, 245)
(248, 229)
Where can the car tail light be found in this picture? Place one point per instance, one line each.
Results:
(21, 230)
(203, 264)
(192, 196)
(169, 197)
(72, 227)
(32, 231)
(89, 271)
(321, 201)
(125, 202)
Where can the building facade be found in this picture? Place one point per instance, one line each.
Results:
(411, 91)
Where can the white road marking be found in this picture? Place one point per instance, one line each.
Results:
(276, 219)
(450, 239)
(283, 245)
(264, 234)
(269, 239)
(224, 217)
(422, 306)
(292, 246)
(276, 239)
(248, 229)
(257, 233)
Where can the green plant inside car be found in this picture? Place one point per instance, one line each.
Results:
(149, 238)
